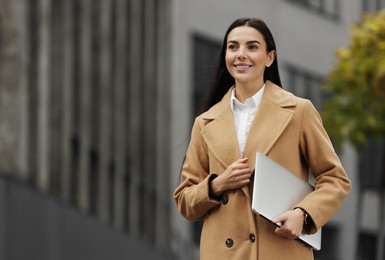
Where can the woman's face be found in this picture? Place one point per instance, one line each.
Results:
(247, 56)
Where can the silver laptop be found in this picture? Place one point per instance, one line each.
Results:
(276, 190)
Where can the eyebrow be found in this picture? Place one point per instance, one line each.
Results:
(249, 42)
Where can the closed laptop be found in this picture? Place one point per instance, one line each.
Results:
(277, 190)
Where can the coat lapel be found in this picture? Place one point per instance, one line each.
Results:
(220, 134)
(269, 123)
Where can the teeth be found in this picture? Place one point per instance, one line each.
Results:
(242, 67)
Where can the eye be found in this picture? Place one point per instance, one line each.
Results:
(253, 47)
(232, 46)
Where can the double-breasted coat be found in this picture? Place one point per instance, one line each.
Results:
(289, 130)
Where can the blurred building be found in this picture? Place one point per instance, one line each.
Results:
(84, 118)
(97, 99)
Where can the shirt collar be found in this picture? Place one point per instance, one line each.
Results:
(256, 98)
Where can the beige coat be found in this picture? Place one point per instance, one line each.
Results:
(289, 130)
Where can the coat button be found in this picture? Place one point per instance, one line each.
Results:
(225, 199)
(229, 242)
(252, 237)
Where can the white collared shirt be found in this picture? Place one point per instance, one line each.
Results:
(244, 115)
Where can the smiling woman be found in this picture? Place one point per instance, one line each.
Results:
(249, 112)
(223, 80)
(246, 60)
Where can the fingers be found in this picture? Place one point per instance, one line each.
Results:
(239, 167)
(292, 224)
(288, 232)
(239, 171)
(278, 220)
(243, 160)
(237, 175)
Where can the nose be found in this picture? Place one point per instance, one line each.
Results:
(241, 54)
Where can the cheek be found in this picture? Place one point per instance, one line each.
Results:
(260, 60)
(228, 61)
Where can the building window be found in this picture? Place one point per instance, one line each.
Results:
(330, 238)
(372, 165)
(372, 5)
(371, 180)
(326, 8)
(205, 56)
(367, 246)
(303, 83)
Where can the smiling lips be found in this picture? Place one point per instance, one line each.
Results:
(242, 66)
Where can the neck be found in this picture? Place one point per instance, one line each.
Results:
(245, 91)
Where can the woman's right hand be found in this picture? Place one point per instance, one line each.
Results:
(237, 175)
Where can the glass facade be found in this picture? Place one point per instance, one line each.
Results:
(327, 8)
(372, 5)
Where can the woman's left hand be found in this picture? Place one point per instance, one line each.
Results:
(291, 223)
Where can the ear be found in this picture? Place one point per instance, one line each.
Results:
(270, 58)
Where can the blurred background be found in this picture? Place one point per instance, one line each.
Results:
(97, 100)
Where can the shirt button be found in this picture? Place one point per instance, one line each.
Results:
(252, 237)
(229, 242)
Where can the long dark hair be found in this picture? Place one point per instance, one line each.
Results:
(223, 80)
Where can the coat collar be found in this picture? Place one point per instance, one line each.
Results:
(269, 123)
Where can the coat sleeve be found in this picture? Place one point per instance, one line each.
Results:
(331, 182)
(192, 195)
